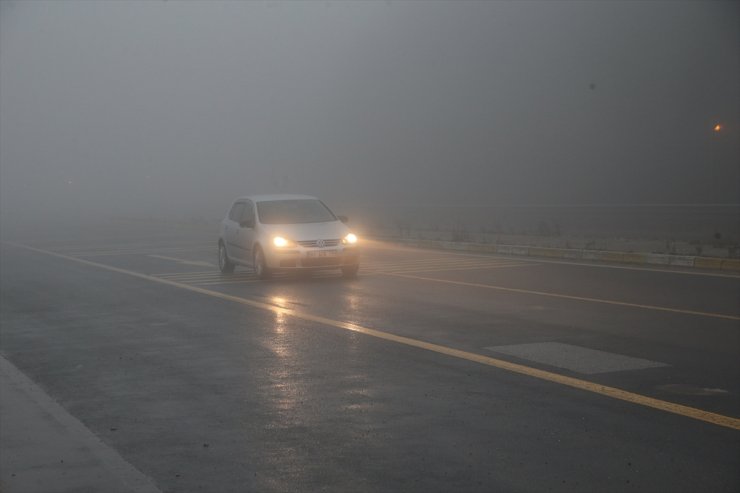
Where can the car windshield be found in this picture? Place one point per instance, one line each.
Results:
(294, 212)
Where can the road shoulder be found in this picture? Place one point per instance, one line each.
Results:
(44, 448)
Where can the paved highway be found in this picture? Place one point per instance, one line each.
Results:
(432, 371)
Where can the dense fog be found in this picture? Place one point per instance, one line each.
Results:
(172, 109)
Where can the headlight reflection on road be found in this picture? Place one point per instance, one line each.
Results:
(351, 314)
(353, 302)
(280, 315)
(284, 392)
(279, 301)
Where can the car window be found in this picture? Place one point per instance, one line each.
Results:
(236, 211)
(294, 212)
(248, 212)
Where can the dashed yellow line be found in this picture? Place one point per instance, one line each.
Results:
(566, 296)
(604, 390)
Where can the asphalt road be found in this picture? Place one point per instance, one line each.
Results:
(432, 371)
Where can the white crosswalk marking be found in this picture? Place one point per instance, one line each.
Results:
(212, 277)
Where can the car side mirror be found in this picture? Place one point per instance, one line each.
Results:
(344, 219)
(247, 224)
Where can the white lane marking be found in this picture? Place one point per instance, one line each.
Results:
(440, 261)
(440, 264)
(563, 296)
(585, 264)
(428, 260)
(481, 266)
(688, 389)
(575, 358)
(71, 427)
(197, 263)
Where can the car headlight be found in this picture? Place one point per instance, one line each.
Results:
(350, 239)
(281, 242)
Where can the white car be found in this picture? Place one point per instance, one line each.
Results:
(285, 232)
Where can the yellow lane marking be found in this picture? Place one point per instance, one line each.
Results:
(567, 296)
(604, 390)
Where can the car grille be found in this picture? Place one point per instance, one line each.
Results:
(321, 262)
(315, 243)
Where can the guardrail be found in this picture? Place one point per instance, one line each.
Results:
(583, 254)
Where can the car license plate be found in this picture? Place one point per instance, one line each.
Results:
(322, 253)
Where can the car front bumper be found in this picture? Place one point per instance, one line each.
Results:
(312, 258)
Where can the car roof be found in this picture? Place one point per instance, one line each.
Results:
(276, 196)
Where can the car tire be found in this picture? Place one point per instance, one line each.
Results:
(350, 271)
(225, 265)
(260, 265)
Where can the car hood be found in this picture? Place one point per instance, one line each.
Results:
(308, 231)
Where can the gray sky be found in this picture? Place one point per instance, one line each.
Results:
(175, 107)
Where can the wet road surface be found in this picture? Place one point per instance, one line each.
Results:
(432, 371)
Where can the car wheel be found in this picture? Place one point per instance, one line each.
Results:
(350, 271)
(224, 264)
(260, 264)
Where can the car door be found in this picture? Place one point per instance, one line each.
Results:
(231, 231)
(246, 232)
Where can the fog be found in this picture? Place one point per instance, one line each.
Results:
(172, 109)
